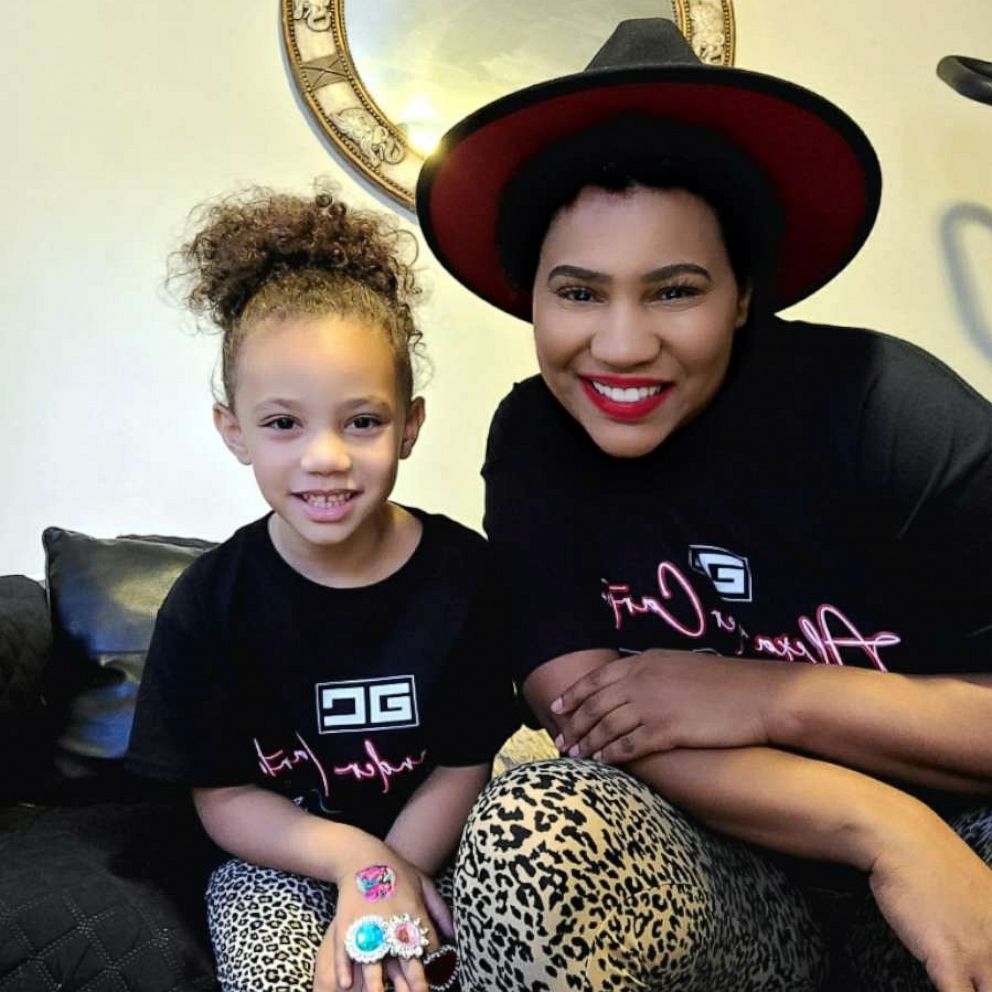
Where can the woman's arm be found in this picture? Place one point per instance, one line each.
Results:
(427, 830)
(933, 890)
(927, 730)
(934, 731)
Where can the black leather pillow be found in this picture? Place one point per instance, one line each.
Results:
(104, 597)
(26, 734)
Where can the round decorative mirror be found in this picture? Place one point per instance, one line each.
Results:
(384, 79)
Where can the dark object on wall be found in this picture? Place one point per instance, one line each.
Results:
(970, 77)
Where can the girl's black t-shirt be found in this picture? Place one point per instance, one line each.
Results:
(343, 700)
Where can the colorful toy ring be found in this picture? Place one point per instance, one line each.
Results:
(366, 940)
(406, 936)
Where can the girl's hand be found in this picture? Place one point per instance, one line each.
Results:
(936, 894)
(660, 700)
(414, 893)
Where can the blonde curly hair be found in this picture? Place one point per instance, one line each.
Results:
(259, 255)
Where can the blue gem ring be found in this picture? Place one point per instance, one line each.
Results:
(366, 940)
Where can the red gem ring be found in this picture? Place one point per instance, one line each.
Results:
(441, 968)
(406, 936)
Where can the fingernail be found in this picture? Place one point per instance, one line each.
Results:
(559, 742)
(598, 756)
(573, 751)
(556, 706)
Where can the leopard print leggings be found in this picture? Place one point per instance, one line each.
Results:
(573, 875)
(266, 925)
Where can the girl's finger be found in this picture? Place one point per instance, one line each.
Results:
(395, 974)
(333, 966)
(372, 977)
(437, 908)
(413, 972)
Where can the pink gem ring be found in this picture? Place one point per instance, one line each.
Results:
(406, 936)
(367, 939)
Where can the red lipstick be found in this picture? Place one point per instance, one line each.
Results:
(624, 409)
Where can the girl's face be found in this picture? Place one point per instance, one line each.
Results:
(319, 416)
(635, 309)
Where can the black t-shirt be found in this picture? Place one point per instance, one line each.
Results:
(833, 504)
(344, 700)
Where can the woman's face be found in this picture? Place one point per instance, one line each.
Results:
(635, 309)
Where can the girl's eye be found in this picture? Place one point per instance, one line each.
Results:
(281, 423)
(365, 422)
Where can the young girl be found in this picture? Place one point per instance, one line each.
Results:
(327, 679)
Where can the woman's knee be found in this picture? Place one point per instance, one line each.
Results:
(572, 868)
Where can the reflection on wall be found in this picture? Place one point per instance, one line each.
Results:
(966, 279)
(431, 62)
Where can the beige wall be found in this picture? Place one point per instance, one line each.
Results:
(120, 116)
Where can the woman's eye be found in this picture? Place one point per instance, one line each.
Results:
(576, 294)
(281, 423)
(680, 291)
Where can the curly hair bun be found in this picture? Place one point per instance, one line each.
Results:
(246, 239)
(259, 253)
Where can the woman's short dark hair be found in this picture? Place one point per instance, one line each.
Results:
(637, 150)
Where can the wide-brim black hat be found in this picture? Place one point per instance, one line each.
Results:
(819, 163)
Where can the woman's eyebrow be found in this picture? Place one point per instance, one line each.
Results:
(655, 275)
(576, 272)
(677, 269)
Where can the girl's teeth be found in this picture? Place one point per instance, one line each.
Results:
(630, 395)
(321, 501)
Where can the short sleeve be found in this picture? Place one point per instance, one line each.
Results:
(539, 526)
(186, 721)
(926, 453)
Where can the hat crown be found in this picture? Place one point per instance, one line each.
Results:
(645, 42)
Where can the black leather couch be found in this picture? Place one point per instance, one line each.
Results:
(101, 874)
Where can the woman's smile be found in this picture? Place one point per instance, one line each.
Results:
(625, 397)
(635, 310)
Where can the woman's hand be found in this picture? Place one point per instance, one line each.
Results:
(936, 894)
(414, 894)
(660, 700)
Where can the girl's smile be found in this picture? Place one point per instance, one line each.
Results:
(319, 415)
(328, 507)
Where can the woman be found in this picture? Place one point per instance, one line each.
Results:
(691, 494)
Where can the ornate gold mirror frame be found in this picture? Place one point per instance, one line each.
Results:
(329, 81)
